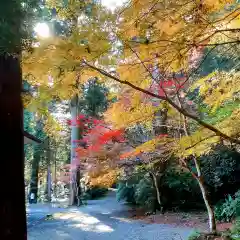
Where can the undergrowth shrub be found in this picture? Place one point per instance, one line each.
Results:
(145, 194)
(228, 210)
(95, 192)
(221, 171)
(235, 232)
(126, 192)
(194, 235)
(138, 189)
(141, 193)
(180, 190)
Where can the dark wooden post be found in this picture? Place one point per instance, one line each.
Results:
(12, 200)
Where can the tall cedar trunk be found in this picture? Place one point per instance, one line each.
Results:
(35, 163)
(211, 216)
(74, 130)
(48, 180)
(75, 134)
(34, 174)
(55, 175)
(48, 177)
(12, 200)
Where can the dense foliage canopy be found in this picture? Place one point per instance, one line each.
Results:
(158, 86)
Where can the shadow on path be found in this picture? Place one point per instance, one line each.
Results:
(103, 219)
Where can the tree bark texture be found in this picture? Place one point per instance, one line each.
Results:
(48, 191)
(34, 174)
(156, 185)
(38, 150)
(160, 122)
(210, 210)
(12, 200)
(78, 199)
(75, 134)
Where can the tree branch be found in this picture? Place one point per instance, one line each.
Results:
(202, 140)
(215, 44)
(185, 165)
(165, 98)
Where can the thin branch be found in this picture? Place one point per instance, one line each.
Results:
(198, 44)
(225, 17)
(146, 13)
(216, 44)
(229, 30)
(202, 140)
(185, 165)
(196, 69)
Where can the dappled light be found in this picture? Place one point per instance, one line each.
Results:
(85, 222)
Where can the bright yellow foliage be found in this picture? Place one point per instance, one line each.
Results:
(151, 34)
(59, 59)
(218, 87)
(121, 116)
(106, 179)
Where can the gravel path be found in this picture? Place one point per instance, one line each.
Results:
(103, 220)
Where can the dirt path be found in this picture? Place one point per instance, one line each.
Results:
(103, 219)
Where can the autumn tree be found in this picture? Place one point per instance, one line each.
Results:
(97, 150)
(140, 37)
(65, 74)
(92, 103)
(152, 42)
(152, 53)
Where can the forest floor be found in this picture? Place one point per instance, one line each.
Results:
(197, 220)
(103, 219)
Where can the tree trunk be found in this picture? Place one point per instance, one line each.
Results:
(74, 136)
(12, 200)
(183, 111)
(160, 128)
(210, 210)
(155, 181)
(34, 174)
(48, 180)
(161, 122)
(55, 175)
(49, 184)
(211, 216)
(35, 164)
(78, 187)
